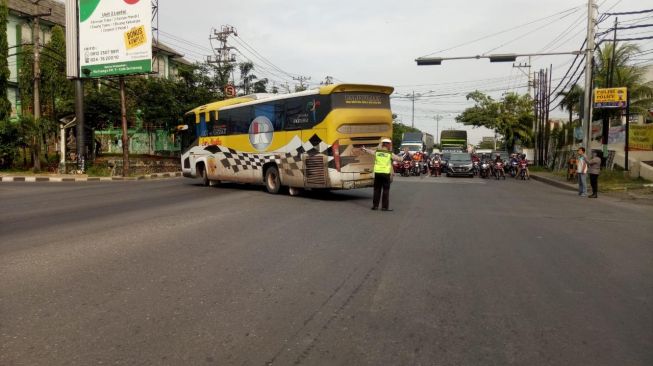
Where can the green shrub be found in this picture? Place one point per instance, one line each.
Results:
(98, 170)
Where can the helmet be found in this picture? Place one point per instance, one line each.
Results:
(386, 141)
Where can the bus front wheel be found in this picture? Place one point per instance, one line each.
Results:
(272, 180)
(204, 176)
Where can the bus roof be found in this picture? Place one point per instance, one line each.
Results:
(265, 97)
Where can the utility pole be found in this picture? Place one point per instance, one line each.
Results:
(125, 138)
(223, 53)
(536, 117)
(412, 123)
(605, 128)
(223, 57)
(589, 52)
(528, 74)
(327, 81)
(36, 41)
(302, 80)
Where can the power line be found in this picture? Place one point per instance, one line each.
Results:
(574, 9)
(260, 56)
(630, 12)
(529, 33)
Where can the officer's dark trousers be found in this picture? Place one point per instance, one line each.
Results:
(381, 182)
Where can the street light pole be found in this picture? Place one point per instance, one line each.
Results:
(437, 119)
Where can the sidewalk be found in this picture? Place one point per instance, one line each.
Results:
(645, 195)
(9, 177)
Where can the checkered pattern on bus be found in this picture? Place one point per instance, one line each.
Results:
(288, 162)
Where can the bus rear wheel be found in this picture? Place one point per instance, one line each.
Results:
(272, 180)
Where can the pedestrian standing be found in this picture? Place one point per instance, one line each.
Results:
(594, 171)
(383, 158)
(581, 171)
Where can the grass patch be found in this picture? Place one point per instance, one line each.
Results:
(98, 170)
(615, 180)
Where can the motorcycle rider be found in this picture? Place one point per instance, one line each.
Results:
(523, 165)
(435, 165)
(497, 160)
(417, 161)
(514, 164)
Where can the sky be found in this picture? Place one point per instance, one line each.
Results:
(377, 41)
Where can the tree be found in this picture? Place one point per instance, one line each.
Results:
(398, 130)
(57, 90)
(512, 116)
(247, 79)
(571, 103)
(5, 105)
(624, 74)
(260, 86)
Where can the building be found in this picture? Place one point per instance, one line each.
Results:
(166, 61)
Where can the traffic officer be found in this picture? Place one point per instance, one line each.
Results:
(383, 158)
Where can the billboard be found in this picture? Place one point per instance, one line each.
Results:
(610, 97)
(115, 37)
(640, 137)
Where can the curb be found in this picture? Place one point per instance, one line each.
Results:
(555, 183)
(32, 179)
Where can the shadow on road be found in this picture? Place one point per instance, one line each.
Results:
(316, 194)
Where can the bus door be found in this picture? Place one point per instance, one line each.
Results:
(201, 126)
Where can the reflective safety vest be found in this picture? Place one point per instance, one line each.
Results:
(382, 162)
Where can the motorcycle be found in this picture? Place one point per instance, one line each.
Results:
(485, 170)
(435, 168)
(406, 168)
(498, 171)
(522, 171)
(513, 168)
(397, 166)
(476, 167)
(416, 168)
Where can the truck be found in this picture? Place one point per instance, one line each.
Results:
(417, 141)
(453, 141)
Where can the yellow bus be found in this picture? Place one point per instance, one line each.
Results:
(309, 139)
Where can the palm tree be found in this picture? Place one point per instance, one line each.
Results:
(571, 103)
(624, 74)
(247, 79)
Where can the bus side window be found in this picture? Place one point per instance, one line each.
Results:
(240, 120)
(296, 116)
(273, 111)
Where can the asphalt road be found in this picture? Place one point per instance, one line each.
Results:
(463, 272)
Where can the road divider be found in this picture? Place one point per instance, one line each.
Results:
(45, 178)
